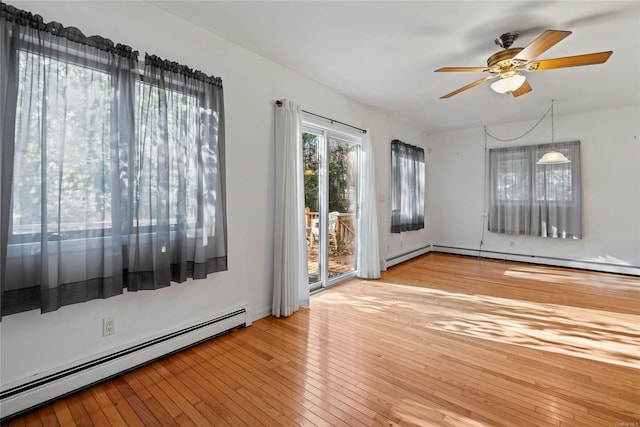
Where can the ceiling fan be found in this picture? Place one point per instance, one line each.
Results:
(508, 64)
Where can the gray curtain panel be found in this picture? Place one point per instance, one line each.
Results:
(537, 200)
(109, 178)
(178, 208)
(407, 187)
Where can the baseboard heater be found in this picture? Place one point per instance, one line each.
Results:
(598, 266)
(26, 395)
(397, 259)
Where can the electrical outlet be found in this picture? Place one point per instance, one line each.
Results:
(108, 326)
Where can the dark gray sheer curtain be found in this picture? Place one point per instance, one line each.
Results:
(179, 220)
(92, 200)
(407, 187)
(537, 200)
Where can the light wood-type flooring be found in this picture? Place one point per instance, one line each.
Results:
(440, 340)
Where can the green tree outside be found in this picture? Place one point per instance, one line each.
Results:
(341, 176)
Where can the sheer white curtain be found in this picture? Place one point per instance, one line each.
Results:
(290, 281)
(368, 258)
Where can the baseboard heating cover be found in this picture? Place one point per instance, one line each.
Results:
(598, 266)
(397, 259)
(25, 395)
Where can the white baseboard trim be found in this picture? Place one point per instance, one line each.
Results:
(260, 314)
(602, 267)
(28, 393)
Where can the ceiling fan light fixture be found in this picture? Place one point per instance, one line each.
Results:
(553, 158)
(507, 62)
(508, 84)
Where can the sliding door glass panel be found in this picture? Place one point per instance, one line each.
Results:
(342, 190)
(311, 144)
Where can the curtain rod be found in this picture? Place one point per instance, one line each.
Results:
(279, 104)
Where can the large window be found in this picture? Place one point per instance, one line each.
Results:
(531, 199)
(407, 187)
(112, 176)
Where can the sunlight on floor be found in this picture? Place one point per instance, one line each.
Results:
(417, 413)
(543, 274)
(579, 332)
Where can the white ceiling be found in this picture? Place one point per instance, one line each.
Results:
(384, 53)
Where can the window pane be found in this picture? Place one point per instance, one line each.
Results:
(513, 177)
(166, 162)
(62, 147)
(553, 183)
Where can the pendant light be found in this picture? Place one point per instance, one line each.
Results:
(553, 157)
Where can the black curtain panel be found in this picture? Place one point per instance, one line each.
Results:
(407, 187)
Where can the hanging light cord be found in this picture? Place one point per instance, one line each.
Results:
(553, 139)
(485, 217)
(527, 132)
(486, 133)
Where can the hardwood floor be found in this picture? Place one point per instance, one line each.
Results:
(440, 340)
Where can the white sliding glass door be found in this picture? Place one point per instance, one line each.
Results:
(331, 173)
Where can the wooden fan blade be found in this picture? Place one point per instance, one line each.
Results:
(469, 86)
(525, 88)
(544, 42)
(463, 69)
(571, 61)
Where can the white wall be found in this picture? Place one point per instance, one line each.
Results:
(395, 244)
(32, 343)
(610, 149)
